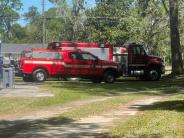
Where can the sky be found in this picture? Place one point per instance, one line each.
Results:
(38, 4)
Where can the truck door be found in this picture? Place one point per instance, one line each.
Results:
(137, 56)
(57, 63)
(93, 66)
(77, 66)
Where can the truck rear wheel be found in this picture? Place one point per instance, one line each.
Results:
(39, 75)
(153, 74)
(109, 77)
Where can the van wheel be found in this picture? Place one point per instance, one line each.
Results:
(153, 74)
(39, 75)
(109, 77)
(96, 80)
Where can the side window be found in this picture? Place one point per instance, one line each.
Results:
(138, 50)
(86, 56)
(50, 55)
(143, 52)
(27, 54)
(53, 55)
(134, 50)
(39, 54)
(74, 56)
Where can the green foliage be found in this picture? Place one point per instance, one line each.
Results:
(54, 27)
(18, 34)
(8, 15)
(32, 15)
(163, 119)
(74, 17)
(114, 21)
(107, 21)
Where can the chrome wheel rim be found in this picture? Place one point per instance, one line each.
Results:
(153, 74)
(110, 78)
(40, 76)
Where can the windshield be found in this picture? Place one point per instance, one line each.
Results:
(146, 50)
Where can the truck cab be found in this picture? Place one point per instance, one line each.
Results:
(136, 62)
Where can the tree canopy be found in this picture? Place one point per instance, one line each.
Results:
(158, 24)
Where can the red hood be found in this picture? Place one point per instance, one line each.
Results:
(157, 59)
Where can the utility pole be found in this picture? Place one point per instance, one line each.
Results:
(1, 64)
(43, 24)
(0, 48)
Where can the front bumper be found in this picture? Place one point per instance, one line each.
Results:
(162, 69)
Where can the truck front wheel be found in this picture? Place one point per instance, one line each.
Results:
(153, 74)
(109, 77)
(39, 75)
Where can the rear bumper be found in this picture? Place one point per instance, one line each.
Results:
(19, 72)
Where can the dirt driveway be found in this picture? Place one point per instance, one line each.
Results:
(22, 89)
(39, 124)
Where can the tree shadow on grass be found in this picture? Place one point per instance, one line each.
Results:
(12, 128)
(107, 135)
(60, 127)
(174, 105)
(122, 87)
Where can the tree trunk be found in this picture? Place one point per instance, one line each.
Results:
(177, 63)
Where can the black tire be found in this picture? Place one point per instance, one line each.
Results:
(109, 77)
(153, 74)
(39, 75)
(27, 78)
(97, 80)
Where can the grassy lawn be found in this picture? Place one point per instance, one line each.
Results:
(66, 92)
(164, 119)
(100, 107)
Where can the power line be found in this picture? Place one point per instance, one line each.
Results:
(60, 17)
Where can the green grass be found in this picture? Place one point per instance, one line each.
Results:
(165, 119)
(65, 92)
(92, 109)
(162, 120)
(100, 107)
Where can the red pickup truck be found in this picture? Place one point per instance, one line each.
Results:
(38, 64)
